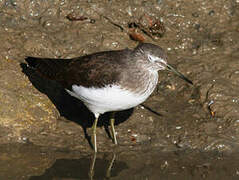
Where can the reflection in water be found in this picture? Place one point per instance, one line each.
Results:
(26, 161)
(84, 168)
(108, 170)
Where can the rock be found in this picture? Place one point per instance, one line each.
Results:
(23, 109)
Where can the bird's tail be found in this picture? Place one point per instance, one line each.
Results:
(49, 68)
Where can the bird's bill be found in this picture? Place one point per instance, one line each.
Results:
(170, 68)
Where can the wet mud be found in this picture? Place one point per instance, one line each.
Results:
(180, 131)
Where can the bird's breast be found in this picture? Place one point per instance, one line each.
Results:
(148, 83)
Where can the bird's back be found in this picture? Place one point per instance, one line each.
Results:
(96, 70)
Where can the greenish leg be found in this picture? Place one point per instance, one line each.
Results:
(112, 122)
(94, 133)
(92, 167)
(108, 172)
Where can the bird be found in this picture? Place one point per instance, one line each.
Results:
(108, 81)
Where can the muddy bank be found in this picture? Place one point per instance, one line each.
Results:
(194, 132)
(201, 41)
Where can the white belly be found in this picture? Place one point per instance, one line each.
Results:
(109, 98)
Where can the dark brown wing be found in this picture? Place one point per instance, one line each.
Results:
(96, 70)
(47, 67)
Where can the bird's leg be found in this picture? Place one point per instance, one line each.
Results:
(92, 167)
(93, 138)
(112, 122)
(108, 172)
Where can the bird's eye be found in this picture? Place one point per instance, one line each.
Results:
(155, 59)
(152, 58)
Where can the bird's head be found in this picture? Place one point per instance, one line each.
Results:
(157, 59)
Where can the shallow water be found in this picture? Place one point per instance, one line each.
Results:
(38, 163)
